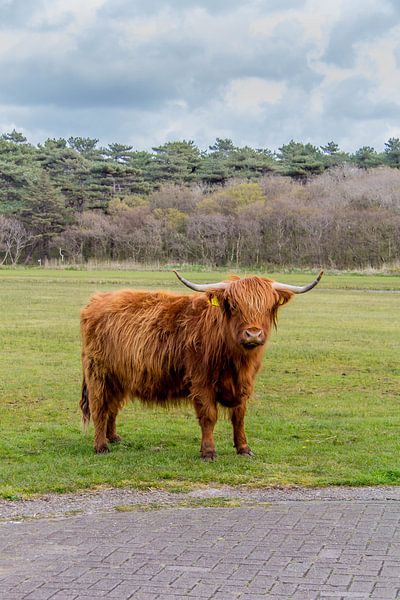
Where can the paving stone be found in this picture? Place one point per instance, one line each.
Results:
(336, 579)
(123, 591)
(284, 590)
(203, 590)
(64, 595)
(247, 596)
(362, 586)
(39, 594)
(299, 550)
(143, 596)
(302, 595)
(385, 593)
(172, 597)
(226, 595)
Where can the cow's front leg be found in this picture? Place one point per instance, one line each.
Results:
(112, 434)
(207, 415)
(239, 435)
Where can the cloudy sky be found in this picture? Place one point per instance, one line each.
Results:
(260, 72)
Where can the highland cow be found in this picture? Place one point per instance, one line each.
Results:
(164, 348)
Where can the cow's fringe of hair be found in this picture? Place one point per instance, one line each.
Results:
(84, 404)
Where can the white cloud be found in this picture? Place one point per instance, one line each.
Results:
(252, 94)
(377, 62)
(315, 18)
(76, 14)
(145, 30)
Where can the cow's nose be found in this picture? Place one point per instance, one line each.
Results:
(253, 336)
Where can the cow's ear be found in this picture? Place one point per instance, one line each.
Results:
(217, 300)
(283, 297)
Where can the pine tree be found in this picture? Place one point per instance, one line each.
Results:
(330, 148)
(44, 213)
(366, 157)
(14, 136)
(392, 152)
(118, 152)
(300, 160)
(69, 171)
(249, 163)
(17, 167)
(214, 167)
(85, 146)
(333, 156)
(176, 162)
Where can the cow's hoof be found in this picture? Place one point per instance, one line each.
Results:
(245, 451)
(102, 449)
(208, 455)
(115, 439)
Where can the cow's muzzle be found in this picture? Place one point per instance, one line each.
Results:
(251, 338)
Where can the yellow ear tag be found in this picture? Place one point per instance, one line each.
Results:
(281, 300)
(214, 301)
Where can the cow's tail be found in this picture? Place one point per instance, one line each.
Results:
(84, 404)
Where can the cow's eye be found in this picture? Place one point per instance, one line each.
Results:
(227, 307)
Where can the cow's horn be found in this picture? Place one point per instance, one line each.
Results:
(201, 287)
(295, 288)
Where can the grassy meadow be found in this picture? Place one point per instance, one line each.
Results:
(326, 408)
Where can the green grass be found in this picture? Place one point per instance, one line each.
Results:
(326, 408)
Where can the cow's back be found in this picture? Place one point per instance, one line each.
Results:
(135, 337)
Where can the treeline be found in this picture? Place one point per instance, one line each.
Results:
(302, 206)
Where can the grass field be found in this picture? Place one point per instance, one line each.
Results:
(326, 408)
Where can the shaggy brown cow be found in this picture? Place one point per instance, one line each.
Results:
(162, 348)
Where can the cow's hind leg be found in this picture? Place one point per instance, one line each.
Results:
(239, 435)
(207, 415)
(99, 412)
(99, 401)
(115, 400)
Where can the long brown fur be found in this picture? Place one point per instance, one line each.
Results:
(165, 348)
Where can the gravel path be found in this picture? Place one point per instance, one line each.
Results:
(106, 500)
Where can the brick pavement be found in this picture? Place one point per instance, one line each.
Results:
(297, 549)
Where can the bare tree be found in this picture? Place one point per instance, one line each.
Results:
(13, 239)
